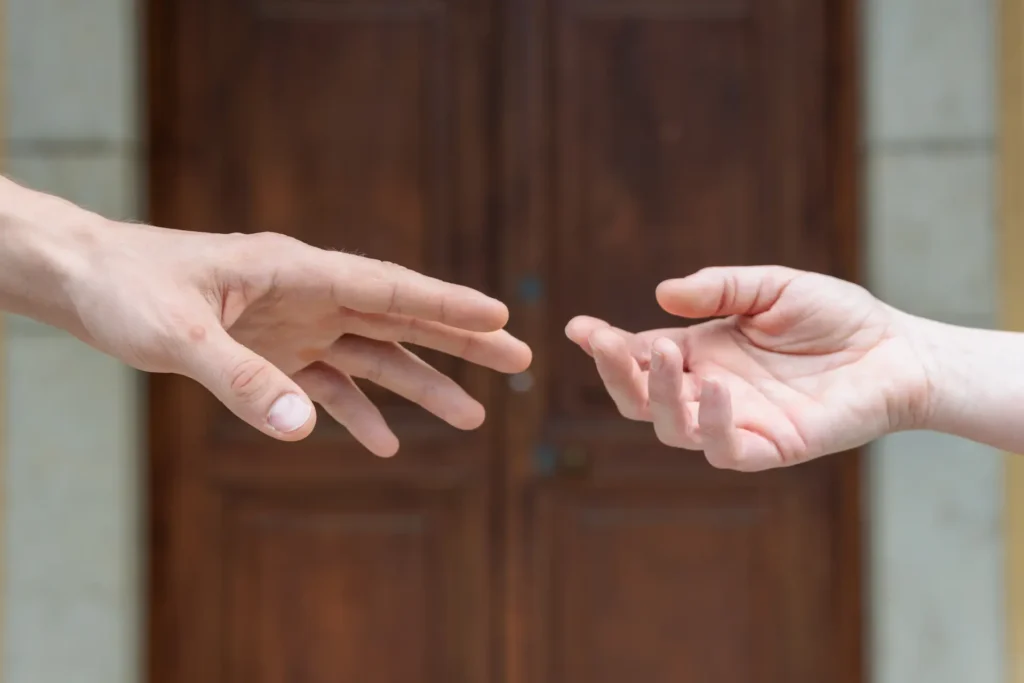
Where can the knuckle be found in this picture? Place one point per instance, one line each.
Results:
(716, 461)
(336, 394)
(375, 370)
(468, 346)
(360, 357)
(325, 386)
(274, 239)
(630, 412)
(314, 378)
(428, 394)
(722, 461)
(391, 265)
(660, 393)
(666, 437)
(393, 298)
(249, 378)
(262, 243)
(244, 251)
(413, 331)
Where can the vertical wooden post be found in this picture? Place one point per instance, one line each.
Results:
(1011, 254)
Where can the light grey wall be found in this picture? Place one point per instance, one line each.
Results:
(936, 502)
(71, 603)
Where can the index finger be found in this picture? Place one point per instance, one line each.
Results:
(371, 286)
(580, 329)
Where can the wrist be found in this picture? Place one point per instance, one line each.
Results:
(927, 342)
(913, 391)
(975, 382)
(44, 246)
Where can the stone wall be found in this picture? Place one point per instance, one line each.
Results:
(935, 505)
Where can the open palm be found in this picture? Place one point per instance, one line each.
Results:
(802, 365)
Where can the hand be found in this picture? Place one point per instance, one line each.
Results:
(803, 366)
(269, 324)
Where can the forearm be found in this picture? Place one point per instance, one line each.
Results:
(41, 240)
(977, 383)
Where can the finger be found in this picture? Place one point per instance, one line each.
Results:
(372, 286)
(718, 436)
(724, 445)
(402, 372)
(621, 375)
(497, 350)
(582, 327)
(673, 422)
(346, 403)
(249, 385)
(725, 291)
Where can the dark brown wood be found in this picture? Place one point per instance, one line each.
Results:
(850, 617)
(353, 125)
(644, 140)
(565, 155)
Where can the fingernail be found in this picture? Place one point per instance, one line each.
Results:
(656, 360)
(288, 413)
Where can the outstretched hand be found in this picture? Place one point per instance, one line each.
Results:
(269, 324)
(797, 365)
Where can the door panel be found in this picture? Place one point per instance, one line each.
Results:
(350, 125)
(299, 608)
(674, 148)
(700, 578)
(647, 140)
(355, 125)
(682, 583)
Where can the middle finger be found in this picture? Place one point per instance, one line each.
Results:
(497, 350)
(674, 423)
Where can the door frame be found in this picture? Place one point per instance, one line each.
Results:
(850, 617)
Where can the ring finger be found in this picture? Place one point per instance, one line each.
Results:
(497, 350)
(674, 419)
(402, 372)
(347, 404)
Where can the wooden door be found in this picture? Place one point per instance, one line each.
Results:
(564, 155)
(355, 125)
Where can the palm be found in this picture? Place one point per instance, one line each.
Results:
(814, 369)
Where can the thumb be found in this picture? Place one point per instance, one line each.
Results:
(252, 387)
(722, 291)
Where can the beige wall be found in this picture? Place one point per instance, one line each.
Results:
(936, 502)
(72, 562)
(72, 510)
(1011, 204)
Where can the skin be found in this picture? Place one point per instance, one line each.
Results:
(792, 367)
(798, 365)
(264, 322)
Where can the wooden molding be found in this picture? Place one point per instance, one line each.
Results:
(1011, 254)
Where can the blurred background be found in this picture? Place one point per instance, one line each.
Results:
(565, 155)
